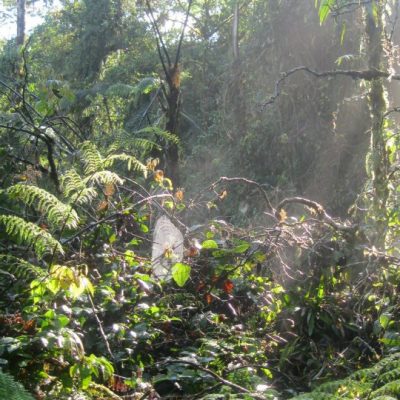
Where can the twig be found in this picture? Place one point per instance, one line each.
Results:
(217, 377)
(116, 214)
(246, 181)
(319, 210)
(103, 335)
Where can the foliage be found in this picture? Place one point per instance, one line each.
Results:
(11, 389)
(288, 300)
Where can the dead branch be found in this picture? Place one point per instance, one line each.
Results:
(246, 181)
(318, 209)
(367, 75)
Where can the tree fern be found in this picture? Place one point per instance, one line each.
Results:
(29, 234)
(56, 212)
(12, 390)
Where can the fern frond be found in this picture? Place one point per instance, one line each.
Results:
(167, 136)
(56, 212)
(120, 90)
(92, 159)
(85, 196)
(74, 188)
(388, 377)
(124, 140)
(29, 234)
(147, 85)
(132, 162)
(145, 144)
(20, 269)
(104, 177)
(71, 182)
(390, 389)
(10, 389)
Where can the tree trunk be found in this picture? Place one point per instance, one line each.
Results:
(239, 104)
(21, 5)
(378, 162)
(173, 99)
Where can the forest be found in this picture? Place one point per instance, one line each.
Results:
(199, 199)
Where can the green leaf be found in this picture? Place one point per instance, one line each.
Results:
(384, 320)
(181, 273)
(209, 244)
(324, 10)
(241, 248)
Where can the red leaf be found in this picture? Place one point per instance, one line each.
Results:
(208, 298)
(228, 286)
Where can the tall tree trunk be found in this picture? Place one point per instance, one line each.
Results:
(378, 162)
(239, 104)
(21, 6)
(173, 99)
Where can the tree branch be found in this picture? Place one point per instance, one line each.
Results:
(178, 51)
(217, 377)
(367, 75)
(246, 181)
(319, 210)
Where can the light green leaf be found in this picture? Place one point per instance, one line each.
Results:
(181, 273)
(241, 248)
(209, 244)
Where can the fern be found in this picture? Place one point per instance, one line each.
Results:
(75, 189)
(167, 136)
(95, 164)
(71, 182)
(147, 85)
(104, 177)
(56, 212)
(20, 269)
(124, 140)
(132, 162)
(120, 90)
(389, 376)
(29, 234)
(12, 390)
(92, 159)
(389, 389)
(380, 382)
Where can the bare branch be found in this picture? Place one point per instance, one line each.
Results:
(367, 75)
(318, 209)
(246, 181)
(158, 33)
(178, 51)
(217, 377)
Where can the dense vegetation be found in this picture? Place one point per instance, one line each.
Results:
(262, 136)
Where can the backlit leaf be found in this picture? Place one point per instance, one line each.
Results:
(181, 273)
